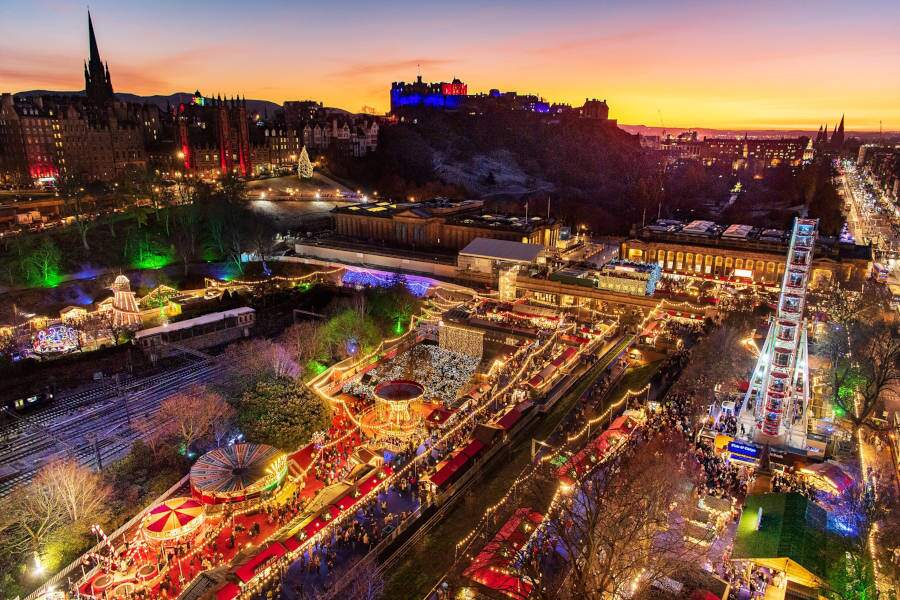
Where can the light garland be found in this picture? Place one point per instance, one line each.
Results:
(327, 378)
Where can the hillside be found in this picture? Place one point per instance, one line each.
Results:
(587, 167)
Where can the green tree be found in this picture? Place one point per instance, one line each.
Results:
(851, 576)
(40, 263)
(349, 332)
(281, 412)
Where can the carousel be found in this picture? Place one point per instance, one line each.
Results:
(237, 473)
(398, 413)
(173, 520)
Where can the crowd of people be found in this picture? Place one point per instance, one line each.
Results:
(791, 482)
(374, 520)
(726, 424)
(750, 585)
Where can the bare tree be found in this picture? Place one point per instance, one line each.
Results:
(155, 434)
(194, 413)
(80, 492)
(250, 360)
(303, 340)
(28, 517)
(618, 531)
(848, 307)
(62, 494)
(361, 581)
(75, 201)
(864, 371)
(719, 357)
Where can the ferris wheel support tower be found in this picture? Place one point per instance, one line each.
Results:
(776, 404)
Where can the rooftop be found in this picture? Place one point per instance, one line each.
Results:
(455, 212)
(423, 208)
(503, 250)
(707, 233)
(188, 323)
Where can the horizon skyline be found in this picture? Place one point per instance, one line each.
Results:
(354, 84)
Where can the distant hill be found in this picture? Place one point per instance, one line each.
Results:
(161, 101)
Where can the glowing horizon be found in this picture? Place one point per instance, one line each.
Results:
(707, 65)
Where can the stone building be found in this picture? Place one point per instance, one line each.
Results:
(704, 249)
(438, 223)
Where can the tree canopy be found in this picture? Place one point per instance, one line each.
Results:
(281, 412)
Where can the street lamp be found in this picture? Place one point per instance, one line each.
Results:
(38, 566)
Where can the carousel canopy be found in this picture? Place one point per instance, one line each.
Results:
(236, 468)
(173, 518)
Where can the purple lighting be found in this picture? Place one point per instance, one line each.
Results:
(417, 286)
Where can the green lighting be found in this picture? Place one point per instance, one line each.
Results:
(315, 367)
(152, 261)
(50, 279)
(145, 253)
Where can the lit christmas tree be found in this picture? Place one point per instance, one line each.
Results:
(304, 166)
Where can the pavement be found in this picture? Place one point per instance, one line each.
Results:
(300, 580)
(880, 470)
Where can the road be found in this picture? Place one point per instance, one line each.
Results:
(70, 426)
(869, 218)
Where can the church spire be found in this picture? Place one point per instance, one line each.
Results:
(97, 82)
(92, 41)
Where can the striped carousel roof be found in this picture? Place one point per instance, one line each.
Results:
(233, 468)
(173, 518)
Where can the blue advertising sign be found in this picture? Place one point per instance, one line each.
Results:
(743, 450)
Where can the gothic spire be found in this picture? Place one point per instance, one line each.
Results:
(92, 41)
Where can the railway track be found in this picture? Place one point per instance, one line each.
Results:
(68, 429)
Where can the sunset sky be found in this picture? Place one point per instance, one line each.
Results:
(758, 64)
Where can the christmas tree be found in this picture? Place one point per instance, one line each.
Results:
(304, 166)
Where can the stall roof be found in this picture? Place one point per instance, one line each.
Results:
(444, 473)
(228, 591)
(509, 419)
(247, 571)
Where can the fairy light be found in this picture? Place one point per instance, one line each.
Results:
(334, 377)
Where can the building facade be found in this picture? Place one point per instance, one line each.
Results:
(880, 164)
(758, 258)
(737, 154)
(214, 136)
(438, 223)
(91, 136)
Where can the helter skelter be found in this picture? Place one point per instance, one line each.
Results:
(776, 404)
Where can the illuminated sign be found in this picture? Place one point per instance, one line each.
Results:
(743, 273)
(743, 450)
